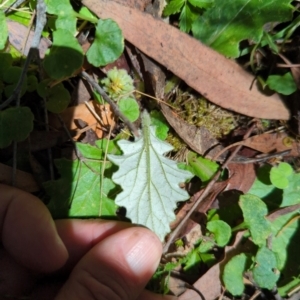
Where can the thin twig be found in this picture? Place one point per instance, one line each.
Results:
(114, 107)
(205, 193)
(40, 23)
(14, 5)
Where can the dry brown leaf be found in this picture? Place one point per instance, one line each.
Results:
(282, 211)
(220, 80)
(273, 142)
(209, 285)
(81, 111)
(17, 34)
(24, 180)
(241, 177)
(198, 139)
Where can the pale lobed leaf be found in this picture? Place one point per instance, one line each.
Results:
(149, 180)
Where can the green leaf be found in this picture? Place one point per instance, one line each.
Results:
(233, 274)
(108, 44)
(160, 123)
(202, 167)
(15, 125)
(65, 56)
(202, 3)
(262, 186)
(80, 192)
(4, 30)
(66, 17)
(6, 62)
(130, 108)
(225, 24)
(149, 180)
(85, 12)
(192, 259)
(173, 7)
(221, 230)
(284, 84)
(58, 97)
(12, 76)
(254, 212)
(186, 18)
(89, 151)
(285, 229)
(265, 268)
(32, 83)
(280, 175)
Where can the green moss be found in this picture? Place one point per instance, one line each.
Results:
(175, 141)
(200, 112)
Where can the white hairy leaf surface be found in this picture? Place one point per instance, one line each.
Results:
(149, 180)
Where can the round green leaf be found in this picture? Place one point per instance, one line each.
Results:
(279, 175)
(12, 74)
(15, 125)
(263, 272)
(65, 56)
(32, 83)
(130, 108)
(66, 18)
(58, 99)
(221, 230)
(108, 44)
(6, 61)
(254, 212)
(284, 85)
(233, 274)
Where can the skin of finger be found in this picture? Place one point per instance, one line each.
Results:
(15, 280)
(117, 268)
(28, 232)
(80, 236)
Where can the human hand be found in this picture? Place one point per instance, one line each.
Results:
(71, 259)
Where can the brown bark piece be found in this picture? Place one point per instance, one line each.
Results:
(198, 139)
(220, 80)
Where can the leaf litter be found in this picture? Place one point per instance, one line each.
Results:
(92, 164)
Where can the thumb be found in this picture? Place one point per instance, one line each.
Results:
(118, 268)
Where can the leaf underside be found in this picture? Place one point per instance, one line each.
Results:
(149, 180)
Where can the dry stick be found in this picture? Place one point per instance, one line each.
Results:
(40, 23)
(205, 193)
(23, 45)
(14, 5)
(114, 107)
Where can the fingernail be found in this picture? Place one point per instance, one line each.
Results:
(143, 251)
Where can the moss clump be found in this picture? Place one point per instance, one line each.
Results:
(175, 141)
(200, 112)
